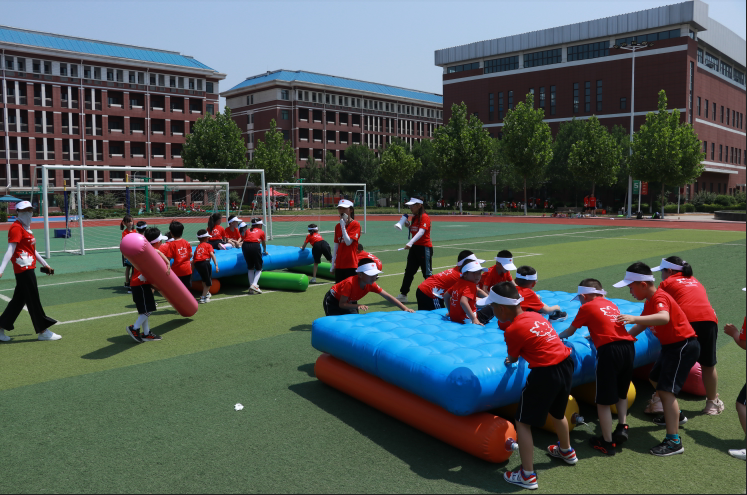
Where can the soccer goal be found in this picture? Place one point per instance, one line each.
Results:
(293, 206)
(92, 211)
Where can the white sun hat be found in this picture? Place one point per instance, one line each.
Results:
(472, 266)
(588, 290)
(494, 298)
(507, 263)
(469, 258)
(160, 238)
(631, 277)
(414, 201)
(22, 205)
(234, 219)
(668, 265)
(344, 203)
(206, 234)
(368, 269)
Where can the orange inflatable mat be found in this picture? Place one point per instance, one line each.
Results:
(483, 435)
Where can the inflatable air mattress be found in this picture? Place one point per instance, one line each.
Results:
(322, 271)
(458, 367)
(231, 261)
(297, 282)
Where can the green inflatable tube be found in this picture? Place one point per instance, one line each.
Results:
(296, 282)
(322, 270)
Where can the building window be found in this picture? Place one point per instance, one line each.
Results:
(545, 57)
(587, 96)
(690, 101)
(284, 114)
(714, 112)
(552, 100)
(705, 148)
(725, 69)
(623, 103)
(738, 76)
(575, 97)
(284, 94)
(713, 151)
(210, 109)
(490, 106)
(501, 64)
(727, 116)
(172, 81)
(700, 55)
(63, 69)
(97, 73)
(661, 35)
(706, 108)
(48, 68)
(500, 105)
(460, 68)
(589, 50)
(110, 74)
(721, 152)
(698, 106)
(209, 87)
(599, 96)
(711, 62)
(542, 97)
(722, 114)
(510, 100)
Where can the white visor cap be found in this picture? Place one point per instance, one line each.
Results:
(160, 238)
(345, 203)
(588, 290)
(631, 277)
(206, 234)
(469, 258)
(494, 298)
(472, 266)
(22, 205)
(368, 269)
(669, 266)
(234, 219)
(242, 225)
(506, 263)
(414, 201)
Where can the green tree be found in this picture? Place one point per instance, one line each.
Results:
(666, 150)
(558, 174)
(275, 156)
(596, 157)
(527, 143)
(215, 142)
(426, 181)
(327, 172)
(463, 148)
(361, 165)
(398, 167)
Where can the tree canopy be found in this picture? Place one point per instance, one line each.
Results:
(215, 142)
(275, 156)
(398, 167)
(596, 156)
(361, 165)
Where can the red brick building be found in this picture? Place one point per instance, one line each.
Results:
(72, 101)
(321, 113)
(573, 71)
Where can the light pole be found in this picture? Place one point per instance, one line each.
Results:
(633, 47)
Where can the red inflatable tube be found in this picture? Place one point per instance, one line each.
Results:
(482, 434)
(141, 254)
(693, 385)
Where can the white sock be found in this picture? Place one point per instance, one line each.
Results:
(257, 273)
(250, 276)
(146, 326)
(139, 322)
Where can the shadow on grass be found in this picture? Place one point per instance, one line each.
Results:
(308, 369)
(122, 343)
(306, 327)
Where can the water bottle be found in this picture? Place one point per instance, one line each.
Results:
(511, 445)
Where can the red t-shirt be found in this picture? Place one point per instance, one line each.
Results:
(435, 285)
(351, 288)
(218, 233)
(256, 235)
(135, 280)
(313, 238)
(744, 325)
(531, 300)
(586, 201)
(600, 317)
(24, 257)
(691, 297)
(593, 202)
(459, 289)
(231, 233)
(347, 256)
(203, 252)
(421, 222)
(531, 336)
(181, 252)
(125, 232)
(363, 255)
(492, 277)
(678, 328)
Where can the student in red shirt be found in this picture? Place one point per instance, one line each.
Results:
(180, 251)
(500, 272)
(362, 253)
(739, 338)
(548, 384)
(233, 236)
(430, 292)
(526, 280)
(678, 281)
(142, 293)
(127, 226)
(462, 296)
(217, 233)
(253, 253)
(23, 255)
(347, 235)
(615, 355)
(419, 247)
(319, 248)
(343, 297)
(679, 349)
(201, 262)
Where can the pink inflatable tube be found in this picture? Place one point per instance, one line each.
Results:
(141, 254)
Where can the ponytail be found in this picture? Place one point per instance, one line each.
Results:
(352, 212)
(687, 270)
(213, 221)
(123, 224)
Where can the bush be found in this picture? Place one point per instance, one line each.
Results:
(704, 198)
(724, 200)
(3, 213)
(740, 197)
(689, 207)
(671, 209)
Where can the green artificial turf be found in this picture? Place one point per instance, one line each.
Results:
(95, 412)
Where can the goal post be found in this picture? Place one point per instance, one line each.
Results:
(309, 202)
(46, 189)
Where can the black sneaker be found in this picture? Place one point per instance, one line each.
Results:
(135, 334)
(667, 448)
(558, 315)
(660, 421)
(620, 434)
(606, 448)
(151, 337)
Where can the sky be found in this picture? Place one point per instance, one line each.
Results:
(386, 41)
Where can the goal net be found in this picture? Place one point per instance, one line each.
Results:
(292, 207)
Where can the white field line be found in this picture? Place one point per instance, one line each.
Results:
(659, 240)
(67, 283)
(7, 299)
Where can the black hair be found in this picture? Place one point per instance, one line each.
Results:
(464, 254)
(141, 225)
(591, 282)
(687, 270)
(352, 212)
(640, 268)
(253, 222)
(202, 232)
(243, 229)
(360, 247)
(505, 254)
(422, 208)
(152, 233)
(214, 220)
(176, 228)
(312, 226)
(524, 270)
(506, 289)
(127, 219)
(365, 261)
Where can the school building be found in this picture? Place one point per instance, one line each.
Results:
(577, 71)
(74, 101)
(323, 114)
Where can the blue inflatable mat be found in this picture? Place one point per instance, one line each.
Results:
(459, 367)
(231, 261)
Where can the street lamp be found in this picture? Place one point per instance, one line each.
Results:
(633, 47)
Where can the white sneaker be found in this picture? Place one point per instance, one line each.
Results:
(3, 337)
(654, 406)
(313, 280)
(402, 298)
(48, 335)
(203, 300)
(257, 290)
(209, 295)
(739, 454)
(714, 407)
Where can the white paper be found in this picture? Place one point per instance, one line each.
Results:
(238, 407)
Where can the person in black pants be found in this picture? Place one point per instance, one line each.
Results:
(420, 248)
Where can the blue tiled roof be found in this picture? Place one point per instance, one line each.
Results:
(340, 82)
(57, 42)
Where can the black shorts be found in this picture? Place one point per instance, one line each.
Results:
(332, 306)
(546, 392)
(673, 365)
(216, 244)
(252, 252)
(426, 303)
(205, 271)
(614, 371)
(485, 314)
(742, 397)
(707, 332)
(125, 261)
(187, 281)
(343, 274)
(142, 296)
(320, 249)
